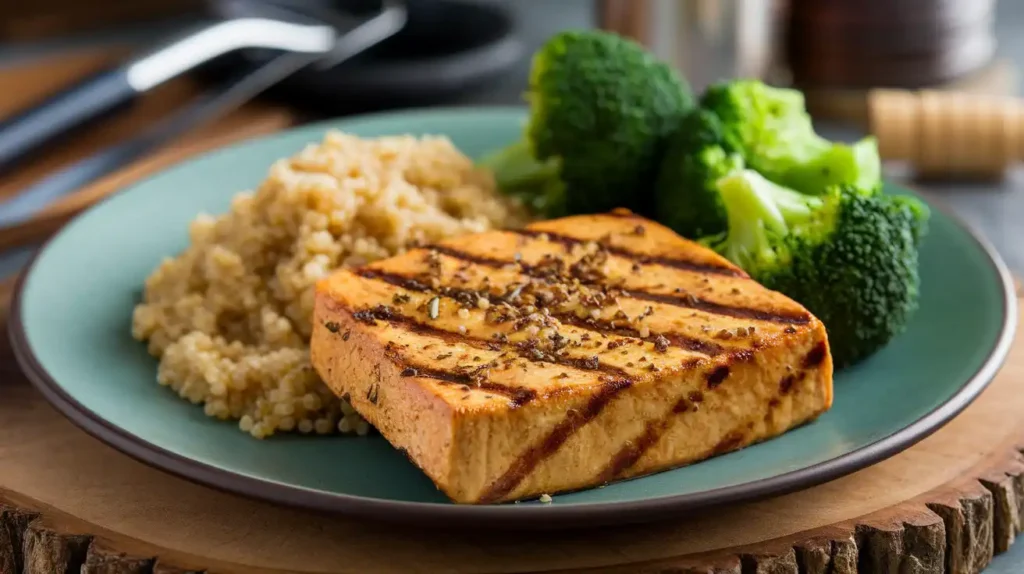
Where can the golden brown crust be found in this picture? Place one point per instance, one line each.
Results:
(407, 413)
(505, 376)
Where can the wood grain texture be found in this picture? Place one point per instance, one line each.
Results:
(46, 19)
(13, 526)
(849, 105)
(966, 510)
(628, 18)
(947, 504)
(101, 559)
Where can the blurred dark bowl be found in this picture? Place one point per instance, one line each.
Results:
(887, 43)
(447, 49)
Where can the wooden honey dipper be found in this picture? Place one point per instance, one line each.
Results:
(951, 134)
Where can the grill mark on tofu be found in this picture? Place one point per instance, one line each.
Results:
(717, 375)
(549, 445)
(816, 355)
(673, 262)
(579, 363)
(473, 258)
(691, 302)
(787, 383)
(729, 443)
(633, 450)
(674, 339)
(411, 324)
(629, 454)
(602, 326)
(684, 301)
(518, 396)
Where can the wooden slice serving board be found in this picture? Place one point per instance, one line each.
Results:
(946, 504)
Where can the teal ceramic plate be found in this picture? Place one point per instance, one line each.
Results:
(72, 332)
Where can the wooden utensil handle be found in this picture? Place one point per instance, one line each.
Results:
(948, 133)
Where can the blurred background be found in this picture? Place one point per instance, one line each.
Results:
(935, 80)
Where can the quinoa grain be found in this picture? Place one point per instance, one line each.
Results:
(230, 317)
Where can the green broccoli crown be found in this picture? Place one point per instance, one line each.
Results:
(862, 280)
(770, 124)
(777, 138)
(747, 124)
(686, 197)
(603, 106)
(849, 257)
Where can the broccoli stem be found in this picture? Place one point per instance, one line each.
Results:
(519, 174)
(514, 166)
(756, 211)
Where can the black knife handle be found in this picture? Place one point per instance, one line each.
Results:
(68, 109)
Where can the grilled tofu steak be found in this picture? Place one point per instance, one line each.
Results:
(576, 352)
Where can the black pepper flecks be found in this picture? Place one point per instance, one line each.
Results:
(369, 316)
(661, 343)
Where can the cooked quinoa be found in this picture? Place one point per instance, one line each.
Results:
(230, 318)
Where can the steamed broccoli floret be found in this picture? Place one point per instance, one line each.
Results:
(686, 198)
(775, 134)
(601, 108)
(850, 258)
(759, 213)
(746, 123)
